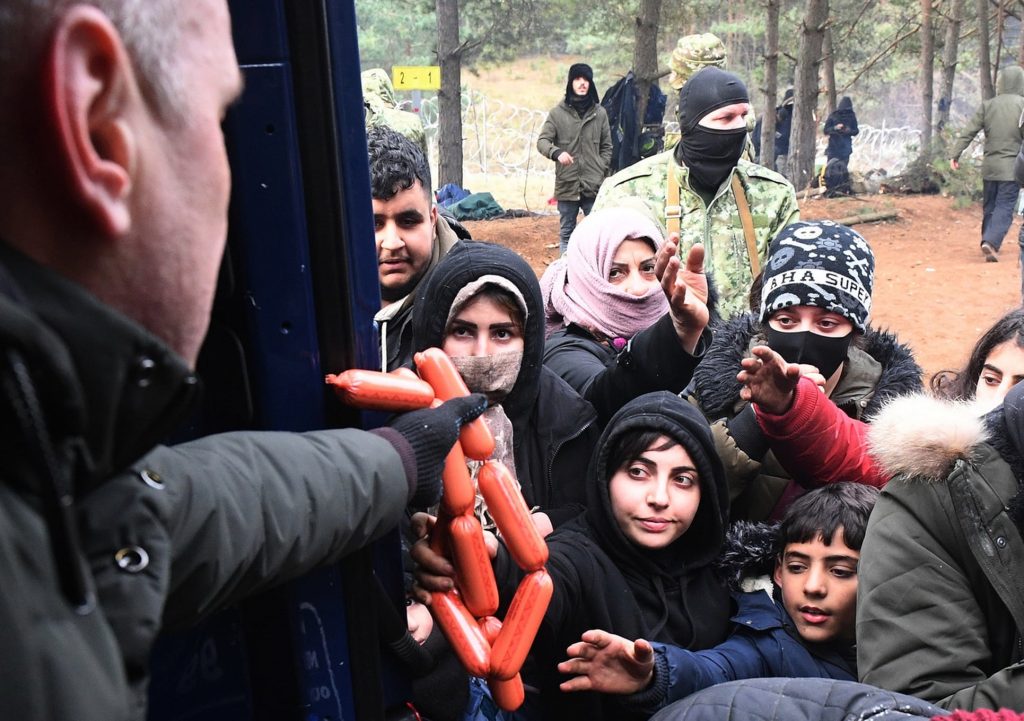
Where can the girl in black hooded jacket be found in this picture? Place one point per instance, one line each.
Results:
(639, 561)
(553, 429)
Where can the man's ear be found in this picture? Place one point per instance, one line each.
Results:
(777, 575)
(90, 91)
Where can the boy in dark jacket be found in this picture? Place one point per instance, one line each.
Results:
(805, 627)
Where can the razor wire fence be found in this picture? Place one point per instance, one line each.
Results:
(499, 141)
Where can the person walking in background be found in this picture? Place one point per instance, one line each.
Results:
(999, 117)
(783, 124)
(577, 137)
(840, 127)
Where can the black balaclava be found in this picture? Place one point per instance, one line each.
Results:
(580, 103)
(709, 154)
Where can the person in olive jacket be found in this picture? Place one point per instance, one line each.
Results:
(113, 218)
(941, 607)
(578, 138)
(999, 118)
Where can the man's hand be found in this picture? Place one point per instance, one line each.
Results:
(954, 164)
(768, 380)
(607, 663)
(565, 159)
(433, 571)
(686, 289)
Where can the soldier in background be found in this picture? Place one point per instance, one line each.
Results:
(703, 190)
(382, 108)
(693, 53)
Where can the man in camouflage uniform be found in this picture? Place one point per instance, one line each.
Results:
(381, 108)
(712, 115)
(692, 53)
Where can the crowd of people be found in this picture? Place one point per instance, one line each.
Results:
(737, 477)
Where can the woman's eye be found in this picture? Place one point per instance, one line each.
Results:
(637, 471)
(685, 480)
(647, 269)
(615, 274)
(990, 380)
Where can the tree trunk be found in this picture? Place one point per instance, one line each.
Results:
(829, 62)
(1000, 20)
(805, 93)
(984, 53)
(949, 55)
(927, 68)
(1020, 43)
(449, 98)
(771, 84)
(645, 55)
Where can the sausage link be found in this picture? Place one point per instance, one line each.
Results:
(508, 694)
(521, 623)
(381, 391)
(462, 632)
(437, 369)
(506, 505)
(473, 565)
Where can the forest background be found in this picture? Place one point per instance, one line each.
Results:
(916, 69)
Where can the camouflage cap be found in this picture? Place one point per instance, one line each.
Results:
(692, 53)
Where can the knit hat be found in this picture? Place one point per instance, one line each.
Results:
(709, 89)
(576, 288)
(693, 53)
(823, 264)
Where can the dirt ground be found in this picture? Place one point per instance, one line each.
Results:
(932, 285)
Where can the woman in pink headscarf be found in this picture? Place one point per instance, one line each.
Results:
(624, 317)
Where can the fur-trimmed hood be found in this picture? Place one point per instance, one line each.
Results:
(922, 437)
(717, 390)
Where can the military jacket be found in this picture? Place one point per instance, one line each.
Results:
(772, 202)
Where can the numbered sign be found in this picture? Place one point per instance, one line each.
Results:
(416, 77)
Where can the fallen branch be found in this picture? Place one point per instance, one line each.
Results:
(868, 217)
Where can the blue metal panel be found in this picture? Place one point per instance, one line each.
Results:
(363, 285)
(268, 218)
(286, 656)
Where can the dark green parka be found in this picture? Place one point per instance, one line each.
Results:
(940, 608)
(587, 139)
(1000, 119)
(164, 535)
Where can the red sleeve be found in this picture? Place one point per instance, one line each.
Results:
(817, 443)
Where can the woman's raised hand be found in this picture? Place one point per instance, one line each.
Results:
(686, 287)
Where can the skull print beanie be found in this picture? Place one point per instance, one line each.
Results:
(822, 264)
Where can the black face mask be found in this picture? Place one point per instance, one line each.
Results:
(711, 154)
(824, 352)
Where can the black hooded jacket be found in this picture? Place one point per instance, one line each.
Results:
(554, 429)
(603, 580)
(840, 144)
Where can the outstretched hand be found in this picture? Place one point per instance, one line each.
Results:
(686, 288)
(432, 572)
(607, 663)
(768, 380)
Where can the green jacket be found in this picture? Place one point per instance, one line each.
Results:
(164, 535)
(588, 140)
(883, 369)
(1000, 118)
(381, 108)
(772, 203)
(940, 609)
